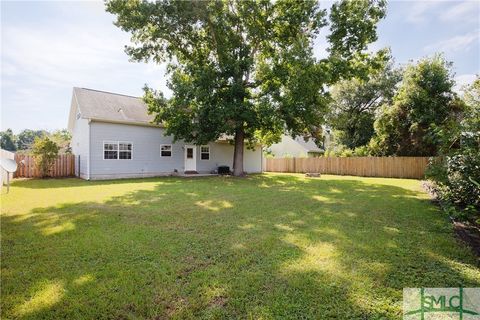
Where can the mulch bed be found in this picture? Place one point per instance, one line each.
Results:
(467, 231)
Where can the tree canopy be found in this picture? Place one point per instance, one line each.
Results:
(424, 106)
(354, 102)
(26, 138)
(246, 68)
(7, 140)
(23, 141)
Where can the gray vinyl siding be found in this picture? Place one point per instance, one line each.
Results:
(146, 160)
(80, 147)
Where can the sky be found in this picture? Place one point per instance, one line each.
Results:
(49, 47)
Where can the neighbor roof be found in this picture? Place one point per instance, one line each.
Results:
(111, 107)
(309, 145)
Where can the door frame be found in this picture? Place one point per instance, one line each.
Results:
(194, 157)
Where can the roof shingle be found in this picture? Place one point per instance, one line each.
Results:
(107, 106)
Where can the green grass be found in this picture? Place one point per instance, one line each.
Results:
(268, 246)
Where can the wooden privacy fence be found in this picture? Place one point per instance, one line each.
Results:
(387, 167)
(64, 166)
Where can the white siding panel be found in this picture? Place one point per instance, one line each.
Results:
(80, 146)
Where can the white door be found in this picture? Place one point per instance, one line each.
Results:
(190, 158)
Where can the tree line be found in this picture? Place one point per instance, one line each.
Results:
(407, 111)
(23, 142)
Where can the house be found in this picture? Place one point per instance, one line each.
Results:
(295, 147)
(113, 137)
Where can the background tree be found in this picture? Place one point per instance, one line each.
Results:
(424, 106)
(62, 138)
(470, 126)
(354, 102)
(7, 140)
(45, 152)
(246, 68)
(26, 138)
(456, 175)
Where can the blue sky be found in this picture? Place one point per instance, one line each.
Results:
(48, 47)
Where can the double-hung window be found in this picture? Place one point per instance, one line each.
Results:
(166, 150)
(124, 150)
(114, 150)
(205, 153)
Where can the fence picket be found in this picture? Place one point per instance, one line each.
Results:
(388, 167)
(64, 166)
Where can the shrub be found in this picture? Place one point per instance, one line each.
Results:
(361, 151)
(456, 176)
(45, 152)
(456, 179)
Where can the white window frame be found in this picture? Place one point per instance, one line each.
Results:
(205, 146)
(118, 149)
(171, 150)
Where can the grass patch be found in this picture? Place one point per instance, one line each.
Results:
(268, 246)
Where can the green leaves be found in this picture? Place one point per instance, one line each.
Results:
(423, 107)
(355, 101)
(45, 152)
(247, 67)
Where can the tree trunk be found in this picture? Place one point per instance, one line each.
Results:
(238, 152)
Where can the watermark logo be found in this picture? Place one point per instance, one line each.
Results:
(441, 303)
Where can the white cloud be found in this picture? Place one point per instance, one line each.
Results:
(464, 11)
(42, 62)
(420, 11)
(458, 43)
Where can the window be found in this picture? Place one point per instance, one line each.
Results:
(113, 150)
(205, 153)
(189, 153)
(125, 150)
(110, 150)
(166, 150)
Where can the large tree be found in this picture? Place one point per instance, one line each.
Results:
(354, 102)
(7, 140)
(26, 138)
(424, 106)
(246, 69)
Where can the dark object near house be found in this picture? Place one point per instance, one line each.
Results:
(223, 170)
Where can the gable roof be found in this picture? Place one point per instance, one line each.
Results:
(111, 107)
(309, 145)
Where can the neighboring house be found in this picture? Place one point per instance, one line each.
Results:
(113, 137)
(295, 147)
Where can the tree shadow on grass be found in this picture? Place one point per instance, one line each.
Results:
(266, 246)
(54, 183)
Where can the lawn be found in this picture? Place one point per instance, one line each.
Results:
(268, 246)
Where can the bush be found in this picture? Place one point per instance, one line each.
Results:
(361, 151)
(45, 152)
(456, 179)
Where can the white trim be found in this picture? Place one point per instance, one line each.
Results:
(205, 146)
(117, 142)
(171, 150)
